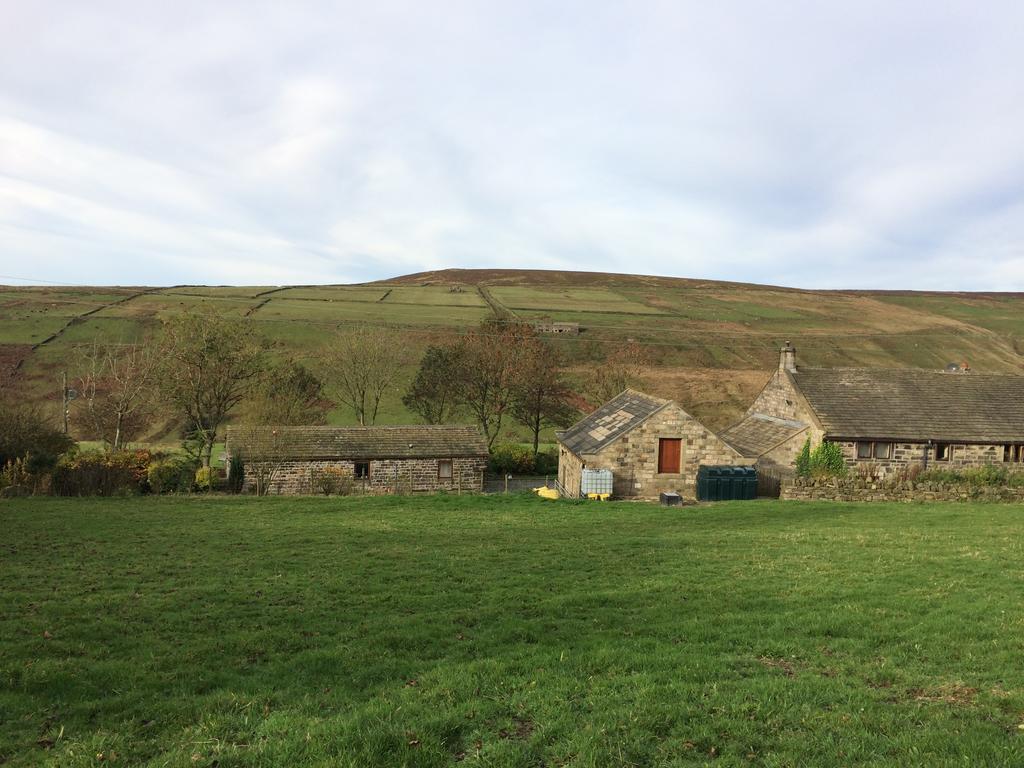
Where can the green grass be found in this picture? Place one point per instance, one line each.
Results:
(578, 299)
(508, 631)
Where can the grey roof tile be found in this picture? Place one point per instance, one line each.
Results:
(608, 423)
(397, 442)
(913, 404)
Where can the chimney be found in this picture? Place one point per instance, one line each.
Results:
(787, 358)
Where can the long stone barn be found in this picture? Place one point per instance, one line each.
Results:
(888, 418)
(373, 460)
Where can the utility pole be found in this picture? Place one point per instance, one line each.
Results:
(64, 399)
(66, 396)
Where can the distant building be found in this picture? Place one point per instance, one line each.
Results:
(551, 326)
(412, 459)
(651, 446)
(891, 417)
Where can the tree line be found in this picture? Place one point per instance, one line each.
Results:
(199, 371)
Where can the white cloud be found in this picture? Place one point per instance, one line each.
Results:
(809, 144)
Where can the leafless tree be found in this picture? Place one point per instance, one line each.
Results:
(362, 365)
(540, 395)
(621, 369)
(491, 357)
(209, 364)
(263, 452)
(116, 387)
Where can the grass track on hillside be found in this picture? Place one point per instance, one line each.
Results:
(507, 632)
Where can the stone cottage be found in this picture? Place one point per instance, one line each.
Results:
(886, 417)
(650, 445)
(376, 460)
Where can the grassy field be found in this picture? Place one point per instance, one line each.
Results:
(507, 631)
(731, 329)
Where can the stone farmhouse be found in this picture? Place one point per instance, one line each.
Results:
(889, 418)
(650, 445)
(375, 460)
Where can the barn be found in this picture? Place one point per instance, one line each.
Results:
(374, 460)
(650, 445)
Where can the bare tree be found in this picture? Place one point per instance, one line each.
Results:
(541, 396)
(263, 452)
(490, 357)
(115, 386)
(363, 364)
(621, 369)
(209, 364)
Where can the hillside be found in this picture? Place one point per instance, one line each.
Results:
(712, 344)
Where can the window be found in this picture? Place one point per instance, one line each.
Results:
(1014, 453)
(444, 469)
(362, 469)
(874, 450)
(943, 451)
(669, 454)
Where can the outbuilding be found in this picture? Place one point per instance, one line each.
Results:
(651, 446)
(376, 460)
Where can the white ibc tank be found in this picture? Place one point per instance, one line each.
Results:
(596, 481)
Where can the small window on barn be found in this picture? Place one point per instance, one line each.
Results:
(1008, 453)
(883, 450)
(943, 451)
(362, 469)
(444, 469)
(863, 450)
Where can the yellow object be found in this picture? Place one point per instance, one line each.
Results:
(599, 496)
(546, 493)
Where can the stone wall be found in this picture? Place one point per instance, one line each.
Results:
(570, 471)
(906, 454)
(633, 458)
(386, 476)
(780, 399)
(898, 492)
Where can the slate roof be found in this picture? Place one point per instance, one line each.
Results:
(758, 433)
(608, 423)
(412, 442)
(911, 404)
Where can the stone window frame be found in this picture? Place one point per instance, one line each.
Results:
(1013, 453)
(949, 452)
(355, 470)
(451, 469)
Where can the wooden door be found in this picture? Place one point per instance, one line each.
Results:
(669, 453)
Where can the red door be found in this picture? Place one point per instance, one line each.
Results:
(669, 452)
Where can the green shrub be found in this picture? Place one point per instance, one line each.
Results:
(803, 460)
(331, 481)
(827, 461)
(174, 474)
(95, 473)
(204, 478)
(26, 435)
(512, 459)
(236, 474)
(546, 462)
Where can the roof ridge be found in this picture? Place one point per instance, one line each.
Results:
(910, 369)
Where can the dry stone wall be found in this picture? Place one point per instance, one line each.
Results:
(831, 490)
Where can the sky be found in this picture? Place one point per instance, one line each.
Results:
(811, 144)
